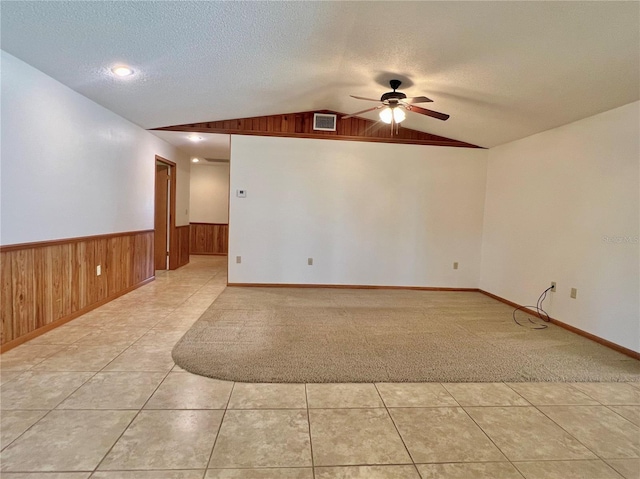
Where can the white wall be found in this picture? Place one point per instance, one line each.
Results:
(71, 167)
(563, 206)
(209, 193)
(368, 213)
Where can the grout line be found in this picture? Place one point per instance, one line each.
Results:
(130, 422)
(215, 441)
(490, 438)
(396, 428)
(571, 434)
(306, 401)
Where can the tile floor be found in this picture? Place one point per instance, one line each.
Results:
(101, 398)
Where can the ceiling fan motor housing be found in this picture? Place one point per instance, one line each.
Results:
(393, 95)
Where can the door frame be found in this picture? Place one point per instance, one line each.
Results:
(173, 253)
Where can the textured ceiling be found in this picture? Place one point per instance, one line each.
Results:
(212, 145)
(502, 70)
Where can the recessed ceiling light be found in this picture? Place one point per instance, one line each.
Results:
(195, 160)
(195, 138)
(122, 71)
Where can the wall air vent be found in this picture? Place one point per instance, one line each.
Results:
(324, 122)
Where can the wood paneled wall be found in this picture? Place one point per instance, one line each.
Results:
(209, 238)
(179, 249)
(49, 283)
(300, 125)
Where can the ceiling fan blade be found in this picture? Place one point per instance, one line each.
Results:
(361, 112)
(431, 113)
(417, 99)
(363, 98)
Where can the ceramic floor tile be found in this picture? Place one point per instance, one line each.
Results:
(124, 337)
(630, 413)
(272, 473)
(525, 434)
(263, 438)
(66, 441)
(443, 435)
(114, 390)
(165, 440)
(6, 376)
(160, 338)
(355, 437)
(81, 358)
(566, 470)
(328, 395)
(484, 470)
(14, 423)
(41, 389)
(548, 394)
(415, 395)
(190, 391)
(193, 474)
(628, 468)
(66, 334)
(46, 475)
(600, 429)
(622, 394)
(26, 356)
(367, 472)
(143, 358)
(485, 394)
(268, 396)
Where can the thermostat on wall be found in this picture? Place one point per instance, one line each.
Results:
(241, 193)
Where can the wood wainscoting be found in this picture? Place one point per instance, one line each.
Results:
(209, 238)
(48, 283)
(179, 249)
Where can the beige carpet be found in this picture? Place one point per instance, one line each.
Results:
(344, 335)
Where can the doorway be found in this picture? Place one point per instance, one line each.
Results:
(164, 212)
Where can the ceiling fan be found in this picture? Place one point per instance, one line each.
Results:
(394, 103)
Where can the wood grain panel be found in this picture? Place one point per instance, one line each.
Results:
(300, 125)
(209, 238)
(182, 234)
(24, 291)
(6, 297)
(43, 285)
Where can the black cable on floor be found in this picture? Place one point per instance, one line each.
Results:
(538, 307)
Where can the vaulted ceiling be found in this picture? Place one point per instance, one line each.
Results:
(502, 70)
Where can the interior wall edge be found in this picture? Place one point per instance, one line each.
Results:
(40, 331)
(48, 284)
(616, 347)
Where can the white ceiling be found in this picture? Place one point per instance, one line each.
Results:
(502, 70)
(212, 146)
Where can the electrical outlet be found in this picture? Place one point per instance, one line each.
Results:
(238, 259)
(553, 286)
(310, 261)
(455, 265)
(98, 270)
(574, 293)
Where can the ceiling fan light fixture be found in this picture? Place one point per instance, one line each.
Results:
(392, 114)
(386, 115)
